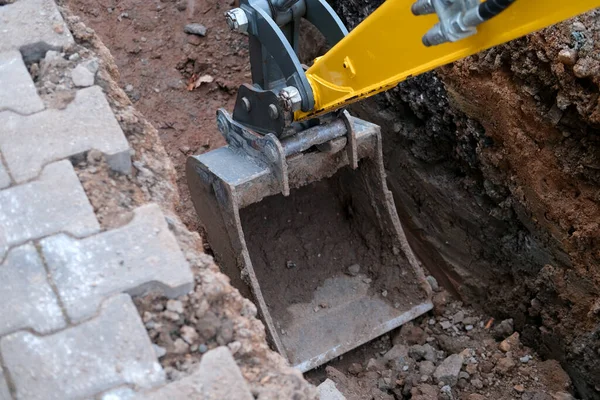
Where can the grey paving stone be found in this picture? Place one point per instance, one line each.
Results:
(53, 203)
(218, 377)
(4, 178)
(4, 392)
(26, 295)
(139, 256)
(17, 91)
(30, 142)
(110, 350)
(33, 27)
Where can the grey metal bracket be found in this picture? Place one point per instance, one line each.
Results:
(273, 27)
(264, 148)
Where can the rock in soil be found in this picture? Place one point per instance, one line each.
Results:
(195, 29)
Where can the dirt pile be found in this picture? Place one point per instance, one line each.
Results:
(494, 165)
(456, 354)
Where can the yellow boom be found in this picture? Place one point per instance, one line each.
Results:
(386, 48)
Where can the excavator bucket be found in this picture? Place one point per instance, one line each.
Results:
(328, 265)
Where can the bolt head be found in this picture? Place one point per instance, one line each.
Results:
(237, 20)
(292, 98)
(273, 112)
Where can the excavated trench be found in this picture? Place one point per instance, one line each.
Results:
(494, 164)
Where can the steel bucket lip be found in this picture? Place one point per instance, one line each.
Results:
(235, 180)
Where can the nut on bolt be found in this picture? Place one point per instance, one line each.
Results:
(237, 20)
(292, 98)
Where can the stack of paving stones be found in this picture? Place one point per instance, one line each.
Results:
(68, 326)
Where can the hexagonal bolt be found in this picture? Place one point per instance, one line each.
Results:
(423, 7)
(237, 20)
(292, 98)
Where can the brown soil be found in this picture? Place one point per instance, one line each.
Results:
(155, 57)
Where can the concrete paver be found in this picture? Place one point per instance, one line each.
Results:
(110, 350)
(4, 392)
(4, 178)
(33, 27)
(17, 91)
(53, 203)
(217, 377)
(139, 256)
(29, 142)
(26, 295)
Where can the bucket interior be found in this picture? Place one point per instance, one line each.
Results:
(302, 247)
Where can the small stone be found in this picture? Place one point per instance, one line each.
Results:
(471, 369)
(170, 315)
(353, 270)
(188, 334)
(525, 359)
(449, 369)
(439, 301)
(586, 67)
(463, 375)
(328, 391)
(74, 57)
(503, 329)
(426, 367)
(446, 325)
(180, 346)
(175, 306)
(129, 88)
(469, 328)
(384, 293)
(567, 56)
(578, 26)
(458, 317)
(195, 29)
(505, 365)
(510, 343)
(82, 77)
(290, 264)
(202, 348)
(519, 388)
(477, 383)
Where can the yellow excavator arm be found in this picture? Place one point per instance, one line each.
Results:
(387, 48)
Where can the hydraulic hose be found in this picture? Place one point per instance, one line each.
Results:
(490, 8)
